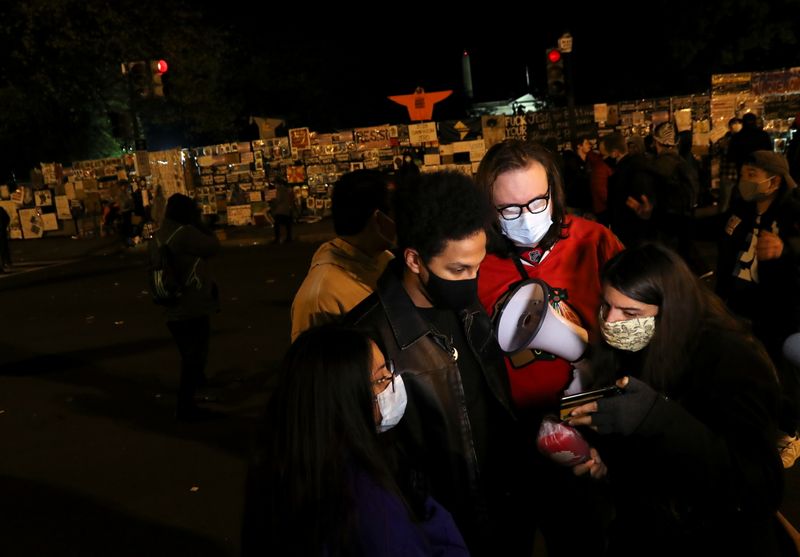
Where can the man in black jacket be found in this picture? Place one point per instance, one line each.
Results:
(758, 272)
(457, 435)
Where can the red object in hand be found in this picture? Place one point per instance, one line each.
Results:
(562, 443)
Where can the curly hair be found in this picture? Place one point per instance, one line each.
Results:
(437, 208)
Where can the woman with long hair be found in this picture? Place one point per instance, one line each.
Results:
(321, 485)
(688, 445)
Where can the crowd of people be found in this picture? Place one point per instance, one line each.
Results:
(400, 427)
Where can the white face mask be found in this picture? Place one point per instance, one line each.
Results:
(631, 335)
(529, 229)
(392, 404)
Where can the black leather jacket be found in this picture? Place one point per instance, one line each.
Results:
(434, 440)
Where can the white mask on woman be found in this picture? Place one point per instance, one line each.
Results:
(392, 404)
(529, 229)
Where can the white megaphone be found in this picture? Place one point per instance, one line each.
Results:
(526, 320)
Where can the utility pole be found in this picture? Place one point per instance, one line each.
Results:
(565, 46)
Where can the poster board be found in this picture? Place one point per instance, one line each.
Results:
(31, 223)
(239, 215)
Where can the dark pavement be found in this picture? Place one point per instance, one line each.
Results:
(93, 463)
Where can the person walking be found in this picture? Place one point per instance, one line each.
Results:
(282, 210)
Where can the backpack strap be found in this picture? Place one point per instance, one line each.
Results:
(158, 242)
(173, 234)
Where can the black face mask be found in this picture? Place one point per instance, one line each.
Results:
(451, 294)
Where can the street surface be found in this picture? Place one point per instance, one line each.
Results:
(92, 462)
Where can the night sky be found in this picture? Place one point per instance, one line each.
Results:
(673, 50)
(333, 67)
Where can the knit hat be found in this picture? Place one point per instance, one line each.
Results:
(773, 163)
(665, 134)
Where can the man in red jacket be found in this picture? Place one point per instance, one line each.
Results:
(535, 238)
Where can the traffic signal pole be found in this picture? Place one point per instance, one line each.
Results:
(565, 46)
(131, 141)
(573, 134)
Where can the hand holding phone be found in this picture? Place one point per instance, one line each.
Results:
(570, 402)
(617, 414)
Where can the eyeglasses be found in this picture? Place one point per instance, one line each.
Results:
(387, 379)
(535, 205)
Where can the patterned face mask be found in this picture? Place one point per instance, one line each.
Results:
(631, 335)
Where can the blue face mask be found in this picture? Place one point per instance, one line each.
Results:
(529, 229)
(392, 404)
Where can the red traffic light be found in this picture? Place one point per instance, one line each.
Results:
(554, 55)
(161, 66)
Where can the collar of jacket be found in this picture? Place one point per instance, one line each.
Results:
(407, 324)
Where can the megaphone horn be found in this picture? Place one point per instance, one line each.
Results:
(527, 320)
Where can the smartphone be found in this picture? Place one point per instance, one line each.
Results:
(572, 401)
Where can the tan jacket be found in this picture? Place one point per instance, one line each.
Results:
(339, 278)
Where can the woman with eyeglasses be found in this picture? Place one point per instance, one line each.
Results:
(536, 238)
(320, 485)
(688, 446)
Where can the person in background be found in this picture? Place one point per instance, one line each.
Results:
(345, 270)
(283, 210)
(630, 190)
(189, 321)
(752, 137)
(577, 175)
(158, 207)
(677, 189)
(5, 251)
(602, 168)
(758, 272)
(793, 149)
(320, 484)
(534, 237)
(458, 439)
(688, 445)
(728, 169)
(635, 144)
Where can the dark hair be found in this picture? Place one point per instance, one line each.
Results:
(614, 142)
(749, 120)
(182, 209)
(356, 196)
(654, 274)
(513, 154)
(436, 208)
(685, 144)
(320, 426)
